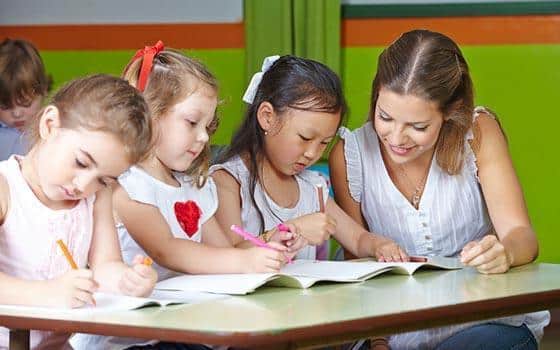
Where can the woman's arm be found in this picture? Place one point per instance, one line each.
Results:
(351, 226)
(516, 242)
(360, 242)
(339, 181)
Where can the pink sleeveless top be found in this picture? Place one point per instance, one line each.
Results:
(28, 236)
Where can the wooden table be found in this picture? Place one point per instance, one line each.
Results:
(283, 318)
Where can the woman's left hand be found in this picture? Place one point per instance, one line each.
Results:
(139, 279)
(387, 250)
(488, 255)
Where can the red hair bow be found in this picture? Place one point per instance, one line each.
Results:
(148, 53)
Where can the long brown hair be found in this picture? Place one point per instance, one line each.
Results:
(430, 66)
(173, 77)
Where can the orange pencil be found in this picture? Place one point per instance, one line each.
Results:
(320, 196)
(147, 261)
(67, 254)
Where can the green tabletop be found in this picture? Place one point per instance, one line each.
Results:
(323, 314)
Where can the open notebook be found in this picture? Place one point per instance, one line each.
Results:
(301, 274)
(112, 302)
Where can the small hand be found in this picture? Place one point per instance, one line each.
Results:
(264, 259)
(315, 228)
(72, 290)
(139, 279)
(488, 255)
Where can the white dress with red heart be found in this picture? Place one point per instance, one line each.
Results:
(185, 208)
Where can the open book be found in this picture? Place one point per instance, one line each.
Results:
(301, 274)
(113, 302)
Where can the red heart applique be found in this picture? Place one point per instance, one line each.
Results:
(188, 213)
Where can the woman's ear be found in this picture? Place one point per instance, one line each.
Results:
(266, 116)
(49, 122)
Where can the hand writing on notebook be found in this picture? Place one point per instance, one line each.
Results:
(73, 289)
(261, 259)
(139, 279)
(488, 255)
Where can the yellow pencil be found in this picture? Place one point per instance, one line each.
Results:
(67, 254)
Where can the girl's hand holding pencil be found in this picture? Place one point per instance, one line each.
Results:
(139, 279)
(73, 289)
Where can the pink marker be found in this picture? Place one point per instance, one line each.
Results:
(255, 240)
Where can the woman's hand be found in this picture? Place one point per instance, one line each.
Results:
(488, 255)
(387, 250)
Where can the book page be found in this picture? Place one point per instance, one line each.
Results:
(337, 271)
(220, 284)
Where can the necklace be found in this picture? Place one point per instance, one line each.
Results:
(417, 194)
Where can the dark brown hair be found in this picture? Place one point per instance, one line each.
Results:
(430, 66)
(22, 74)
(291, 82)
(174, 77)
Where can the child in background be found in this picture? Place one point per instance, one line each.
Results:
(166, 203)
(295, 108)
(93, 130)
(433, 172)
(23, 85)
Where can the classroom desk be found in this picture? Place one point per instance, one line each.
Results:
(283, 318)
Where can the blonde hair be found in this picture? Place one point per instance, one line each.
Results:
(103, 103)
(172, 78)
(22, 74)
(431, 66)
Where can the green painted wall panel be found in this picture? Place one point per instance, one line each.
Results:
(521, 83)
(227, 64)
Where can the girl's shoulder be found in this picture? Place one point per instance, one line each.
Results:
(233, 169)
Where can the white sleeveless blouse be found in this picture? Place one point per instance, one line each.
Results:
(273, 214)
(451, 213)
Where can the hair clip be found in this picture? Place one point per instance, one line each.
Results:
(148, 53)
(251, 91)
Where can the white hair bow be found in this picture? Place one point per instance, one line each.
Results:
(249, 95)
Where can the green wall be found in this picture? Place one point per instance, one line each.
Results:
(227, 64)
(522, 84)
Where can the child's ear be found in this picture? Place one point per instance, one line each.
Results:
(49, 122)
(266, 116)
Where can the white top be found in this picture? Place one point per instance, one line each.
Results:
(451, 213)
(273, 214)
(176, 205)
(28, 248)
